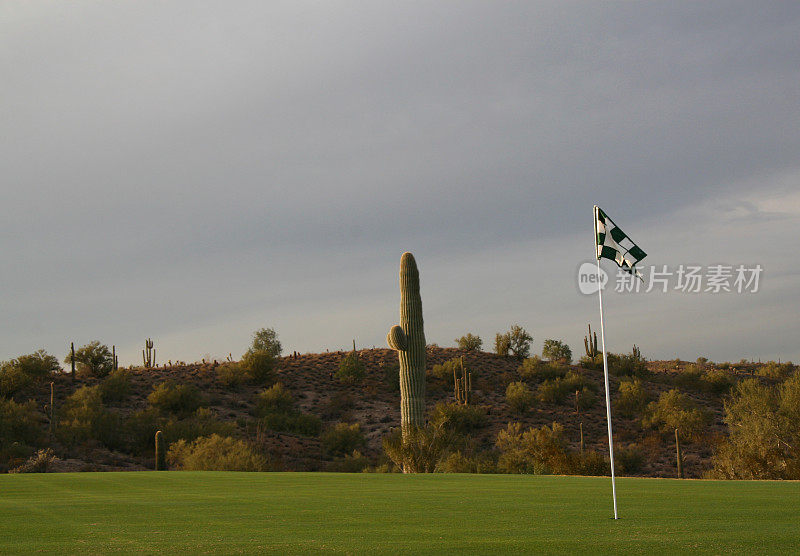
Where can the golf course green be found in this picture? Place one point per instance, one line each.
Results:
(223, 512)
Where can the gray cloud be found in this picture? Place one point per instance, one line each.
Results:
(206, 168)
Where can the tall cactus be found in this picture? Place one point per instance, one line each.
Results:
(161, 452)
(408, 339)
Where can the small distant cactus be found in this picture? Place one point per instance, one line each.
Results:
(679, 455)
(408, 339)
(161, 452)
(590, 344)
(462, 385)
(149, 354)
(636, 352)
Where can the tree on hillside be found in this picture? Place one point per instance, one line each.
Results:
(93, 359)
(266, 340)
(556, 350)
(469, 342)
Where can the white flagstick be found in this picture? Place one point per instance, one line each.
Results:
(608, 396)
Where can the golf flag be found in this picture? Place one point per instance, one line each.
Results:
(612, 243)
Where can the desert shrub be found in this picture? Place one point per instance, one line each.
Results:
(702, 361)
(351, 370)
(215, 453)
(539, 451)
(764, 432)
(116, 386)
(520, 342)
(593, 363)
(591, 463)
(181, 399)
(275, 399)
(93, 359)
(259, 366)
(25, 370)
(140, 429)
(462, 419)
(534, 368)
(420, 449)
(231, 375)
(338, 405)
(469, 342)
(343, 438)
(84, 418)
(304, 424)
(633, 398)
(777, 371)
(628, 364)
(502, 344)
(689, 377)
(350, 463)
(717, 381)
(391, 377)
(457, 462)
(519, 397)
(558, 390)
(629, 460)
(675, 410)
(446, 370)
(20, 426)
(586, 398)
(266, 340)
(203, 422)
(557, 350)
(40, 462)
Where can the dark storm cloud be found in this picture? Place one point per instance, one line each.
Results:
(168, 166)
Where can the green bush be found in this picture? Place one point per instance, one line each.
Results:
(204, 422)
(259, 366)
(594, 363)
(445, 370)
(351, 370)
(469, 342)
(717, 381)
(215, 453)
(343, 438)
(266, 340)
(519, 342)
(295, 422)
(275, 399)
(25, 370)
(557, 350)
(84, 418)
(534, 368)
(764, 432)
(561, 390)
(116, 386)
(629, 364)
(777, 371)
(231, 375)
(181, 399)
(391, 377)
(457, 462)
(629, 460)
(534, 451)
(93, 359)
(350, 463)
(462, 419)
(675, 410)
(502, 344)
(41, 462)
(420, 449)
(519, 397)
(20, 427)
(633, 398)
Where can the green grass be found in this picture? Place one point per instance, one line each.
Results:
(195, 512)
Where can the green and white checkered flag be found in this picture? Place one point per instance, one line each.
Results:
(612, 243)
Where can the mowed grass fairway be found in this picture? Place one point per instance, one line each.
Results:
(221, 512)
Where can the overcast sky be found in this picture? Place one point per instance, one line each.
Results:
(194, 171)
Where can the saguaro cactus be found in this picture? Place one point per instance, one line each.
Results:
(678, 455)
(161, 452)
(590, 344)
(148, 354)
(408, 339)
